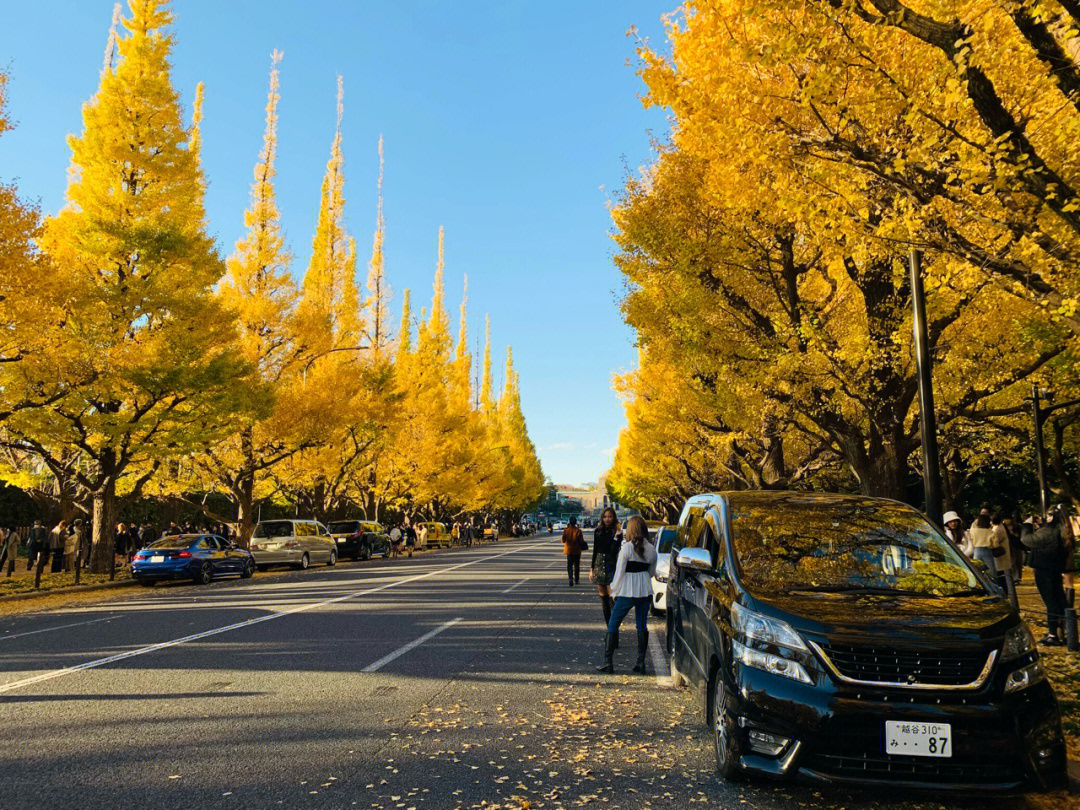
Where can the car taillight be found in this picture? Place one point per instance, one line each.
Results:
(290, 544)
(184, 554)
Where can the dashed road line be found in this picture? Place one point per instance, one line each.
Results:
(400, 651)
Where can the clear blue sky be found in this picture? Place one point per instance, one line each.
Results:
(510, 123)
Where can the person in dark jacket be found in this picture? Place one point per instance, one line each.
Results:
(39, 543)
(573, 542)
(607, 540)
(1048, 545)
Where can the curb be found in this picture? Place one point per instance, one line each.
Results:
(103, 586)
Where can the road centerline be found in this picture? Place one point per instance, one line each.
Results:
(99, 662)
(416, 642)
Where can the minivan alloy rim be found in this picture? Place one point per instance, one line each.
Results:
(719, 728)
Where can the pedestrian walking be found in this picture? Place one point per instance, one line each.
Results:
(421, 536)
(605, 554)
(39, 543)
(9, 550)
(985, 543)
(57, 538)
(1002, 552)
(1016, 548)
(573, 543)
(1047, 545)
(632, 586)
(72, 542)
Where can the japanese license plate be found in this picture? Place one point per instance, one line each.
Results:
(157, 559)
(918, 739)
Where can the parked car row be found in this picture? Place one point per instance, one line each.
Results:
(202, 557)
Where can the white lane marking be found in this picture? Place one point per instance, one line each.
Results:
(659, 662)
(386, 659)
(516, 585)
(58, 627)
(57, 673)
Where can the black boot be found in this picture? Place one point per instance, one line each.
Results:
(609, 654)
(608, 603)
(642, 646)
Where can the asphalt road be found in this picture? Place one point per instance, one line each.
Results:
(452, 680)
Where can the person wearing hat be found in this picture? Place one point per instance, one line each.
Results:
(954, 529)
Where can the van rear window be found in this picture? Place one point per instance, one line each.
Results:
(274, 528)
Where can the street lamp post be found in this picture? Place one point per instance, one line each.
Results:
(924, 373)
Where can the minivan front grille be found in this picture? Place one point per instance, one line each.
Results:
(885, 664)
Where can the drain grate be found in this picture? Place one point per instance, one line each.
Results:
(384, 690)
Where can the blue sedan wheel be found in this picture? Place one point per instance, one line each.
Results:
(204, 574)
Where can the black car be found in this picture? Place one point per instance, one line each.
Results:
(359, 539)
(844, 639)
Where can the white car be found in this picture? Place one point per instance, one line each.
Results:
(558, 527)
(664, 538)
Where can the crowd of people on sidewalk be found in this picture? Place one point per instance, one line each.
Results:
(67, 545)
(1044, 543)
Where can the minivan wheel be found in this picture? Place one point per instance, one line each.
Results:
(333, 557)
(725, 731)
(305, 561)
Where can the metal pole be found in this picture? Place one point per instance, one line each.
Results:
(924, 372)
(1040, 462)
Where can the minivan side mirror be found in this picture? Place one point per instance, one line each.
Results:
(694, 559)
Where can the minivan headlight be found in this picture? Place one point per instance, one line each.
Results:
(768, 631)
(1024, 677)
(1018, 642)
(776, 664)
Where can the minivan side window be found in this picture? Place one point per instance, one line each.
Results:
(689, 528)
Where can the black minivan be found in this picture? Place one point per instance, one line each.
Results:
(844, 639)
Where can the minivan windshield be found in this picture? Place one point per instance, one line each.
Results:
(343, 527)
(274, 528)
(851, 545)
(664, 538)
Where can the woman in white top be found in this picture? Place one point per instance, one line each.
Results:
(954, 528)
(632, 588)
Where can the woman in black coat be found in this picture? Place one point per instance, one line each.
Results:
(607, 540)
(1048, 545)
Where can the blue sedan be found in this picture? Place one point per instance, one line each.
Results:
(198, 557)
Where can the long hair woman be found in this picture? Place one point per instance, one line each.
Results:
(632, 587)
(605, 553)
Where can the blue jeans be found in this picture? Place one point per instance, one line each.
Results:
(622, 607)
(986, 555)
